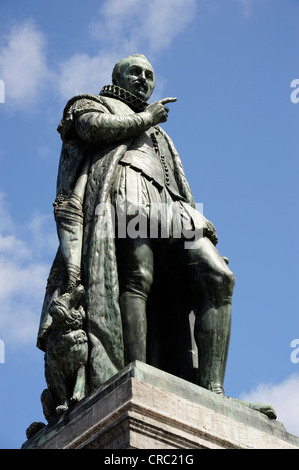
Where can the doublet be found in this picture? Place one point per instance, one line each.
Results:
(150, 155)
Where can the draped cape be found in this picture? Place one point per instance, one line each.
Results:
(98, 255)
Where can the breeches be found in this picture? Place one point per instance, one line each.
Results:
(204, 271)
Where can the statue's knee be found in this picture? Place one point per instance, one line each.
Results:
(146, 279)
(218, 284)
(225, 281)
(230, 280)
(140, 281)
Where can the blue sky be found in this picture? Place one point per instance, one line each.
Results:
(230, 63)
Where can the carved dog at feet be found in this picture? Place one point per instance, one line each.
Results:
(66, 354)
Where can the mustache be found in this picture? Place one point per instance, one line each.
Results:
(141, 82)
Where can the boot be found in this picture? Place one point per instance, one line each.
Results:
(212, 335)
(133, 312)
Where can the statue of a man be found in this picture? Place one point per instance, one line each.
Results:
(140, 288)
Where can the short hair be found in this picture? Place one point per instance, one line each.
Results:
(119, 64)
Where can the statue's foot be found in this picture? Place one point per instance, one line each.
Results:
(75, 399)
(263, 408)
(61, 409)
(34, 428)
(216, 388)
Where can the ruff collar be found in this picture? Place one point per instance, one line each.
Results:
(113, 91)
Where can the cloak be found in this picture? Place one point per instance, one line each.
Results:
(91, 168)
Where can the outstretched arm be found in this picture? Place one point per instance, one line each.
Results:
(97, 127)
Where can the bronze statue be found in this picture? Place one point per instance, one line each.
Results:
(124, 213)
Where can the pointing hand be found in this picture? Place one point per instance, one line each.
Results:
(158, 111)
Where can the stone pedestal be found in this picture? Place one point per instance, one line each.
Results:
(145, 408)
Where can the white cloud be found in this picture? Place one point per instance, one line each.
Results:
(165, 20)
(120, 28)
(21, 293)
(138, 25)
(13, 248)
(42, 233)
(284, 397)
(23, 275)
(23, 65)
(123, 28)
(84, 74)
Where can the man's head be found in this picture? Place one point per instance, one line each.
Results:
(136, 75)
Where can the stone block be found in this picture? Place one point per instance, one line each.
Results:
(142, 407)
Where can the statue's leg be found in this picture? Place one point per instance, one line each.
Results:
(79, 388)
(212, 285)
(60, 380)
(135, 262)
